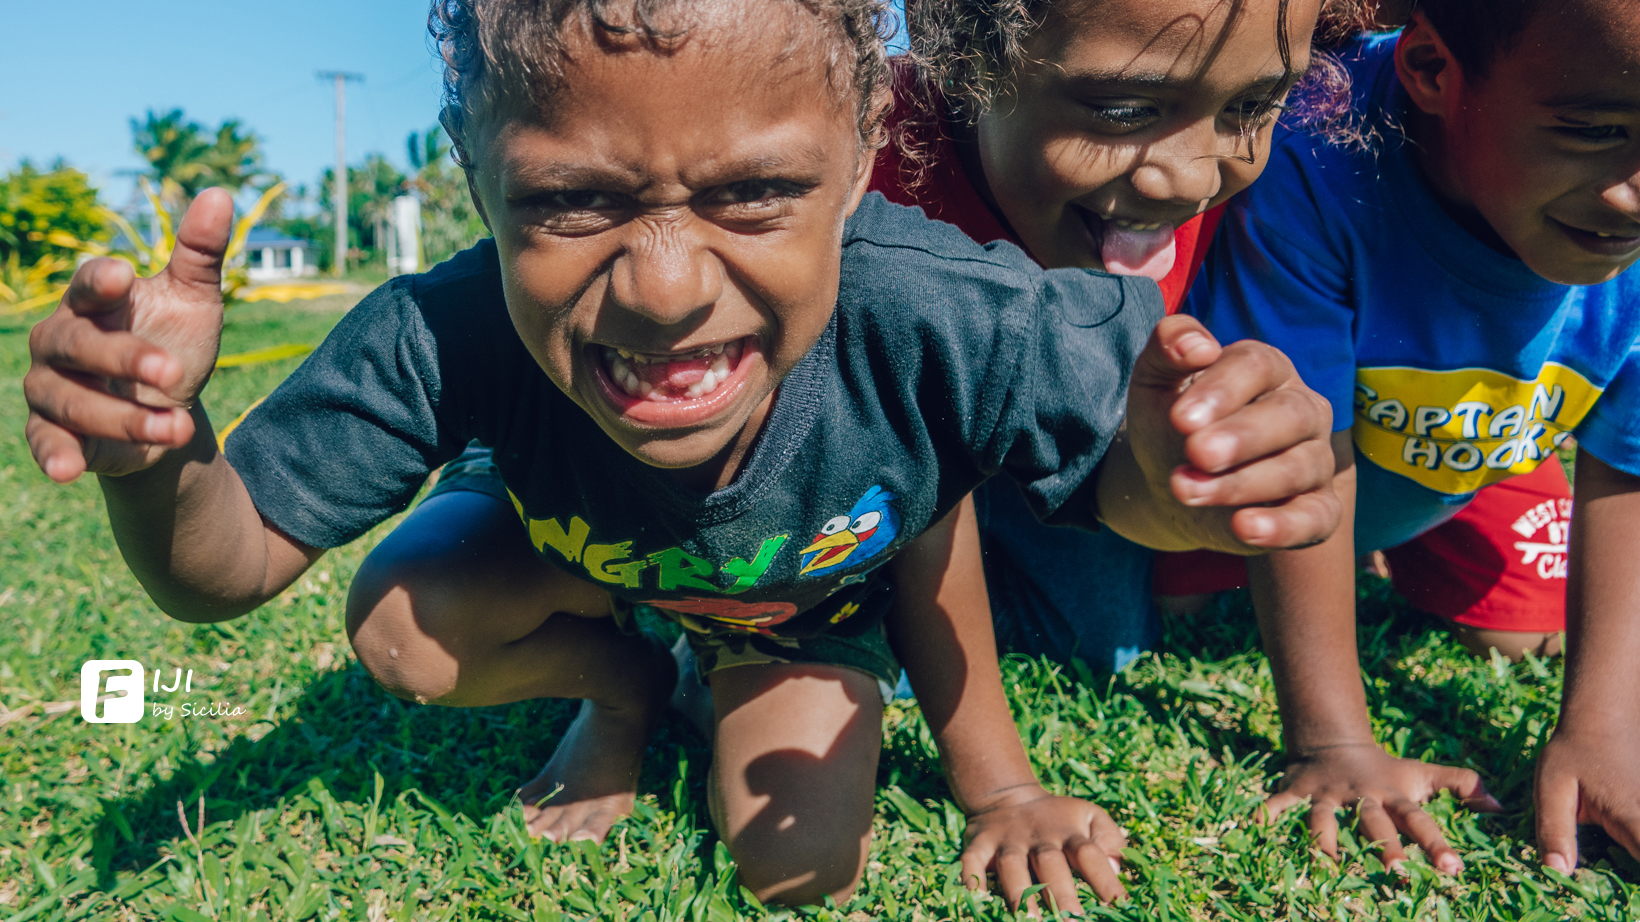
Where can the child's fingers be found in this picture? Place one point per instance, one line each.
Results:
(1421, 828)
(1178, 348)
(1013, 873)
(1277, 804)
(1467, 784)
(976, 858)
(1626, 830)
(57, 451)
(1270, 424)
(1323, 823)
(1054, 873)
(74, 402)
(1302, 468)
(79, 344)
(202, 240)
(1381, 832)
(1097, 865)
(1245, 371)
(101, 285)
(1298, 522)
(1557, 821)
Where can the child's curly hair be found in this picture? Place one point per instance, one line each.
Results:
(498, 52)
(969, 51)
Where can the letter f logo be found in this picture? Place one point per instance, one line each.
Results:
(126, 709)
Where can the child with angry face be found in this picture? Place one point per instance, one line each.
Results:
(720, 383)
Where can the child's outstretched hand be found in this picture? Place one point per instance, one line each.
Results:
(1226, 449)
(1031, 834)
(115, 369)
(1387, 793)
(1590, 778)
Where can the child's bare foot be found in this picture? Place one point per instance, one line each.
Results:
(692, 698)
(592, 778)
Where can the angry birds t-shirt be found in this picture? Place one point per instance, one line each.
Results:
(945, 362)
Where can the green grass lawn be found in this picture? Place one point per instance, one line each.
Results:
(323, 797)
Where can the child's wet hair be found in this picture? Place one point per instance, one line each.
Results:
(1478, 31)
(500, 53)
(970, 51)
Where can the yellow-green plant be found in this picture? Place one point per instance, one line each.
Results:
(26, 288)
(151, 258)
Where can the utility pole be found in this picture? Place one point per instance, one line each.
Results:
(339, 196)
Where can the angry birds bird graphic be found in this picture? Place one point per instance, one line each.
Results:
(858, 535)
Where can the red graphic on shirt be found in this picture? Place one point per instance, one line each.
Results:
(748, 616)
(1547, 528)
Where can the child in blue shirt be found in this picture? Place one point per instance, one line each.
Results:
(1457, 286)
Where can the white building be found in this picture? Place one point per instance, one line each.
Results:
(270, 256)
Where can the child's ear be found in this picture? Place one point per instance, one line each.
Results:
(1428, 71)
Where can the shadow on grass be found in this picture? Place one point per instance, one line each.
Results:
(341, 732)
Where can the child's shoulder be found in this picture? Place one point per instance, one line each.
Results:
(897, 258)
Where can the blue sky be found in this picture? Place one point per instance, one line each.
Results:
(76, 74)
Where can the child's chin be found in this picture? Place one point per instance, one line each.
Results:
(676, 453)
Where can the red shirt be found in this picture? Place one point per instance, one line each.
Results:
(946, 193)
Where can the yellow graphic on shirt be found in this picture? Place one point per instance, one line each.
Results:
(1457, 431)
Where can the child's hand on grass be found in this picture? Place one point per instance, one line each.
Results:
(1386, 792)
(116, 368)
(1030, 835)
(1587, 778)
(1232, 448)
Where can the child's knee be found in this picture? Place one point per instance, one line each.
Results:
(389, 642)
(800, 873)
(1513, 645)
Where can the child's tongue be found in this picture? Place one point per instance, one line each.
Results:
(675, 375)
(1149, 253)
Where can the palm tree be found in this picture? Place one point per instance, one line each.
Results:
(183, 152)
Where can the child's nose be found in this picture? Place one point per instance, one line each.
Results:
(1183, 168)
(666, 272)
(1624, 195)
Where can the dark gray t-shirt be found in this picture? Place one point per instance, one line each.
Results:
(945, 362)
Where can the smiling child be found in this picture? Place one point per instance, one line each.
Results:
(1461, 289)
(720, 383)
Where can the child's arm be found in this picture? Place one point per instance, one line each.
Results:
(941, 631)
(116, 373)
(1590, 770)
(1305, 602)
(1225, 448)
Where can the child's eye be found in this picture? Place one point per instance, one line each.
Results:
(754, 192)
(1124, 116)
(579, 200)
(1255, 111)
(1595, 134)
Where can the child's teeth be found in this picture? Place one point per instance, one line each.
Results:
(720, 368)
(717, 349)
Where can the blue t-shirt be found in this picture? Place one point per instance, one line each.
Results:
(1456, 366)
